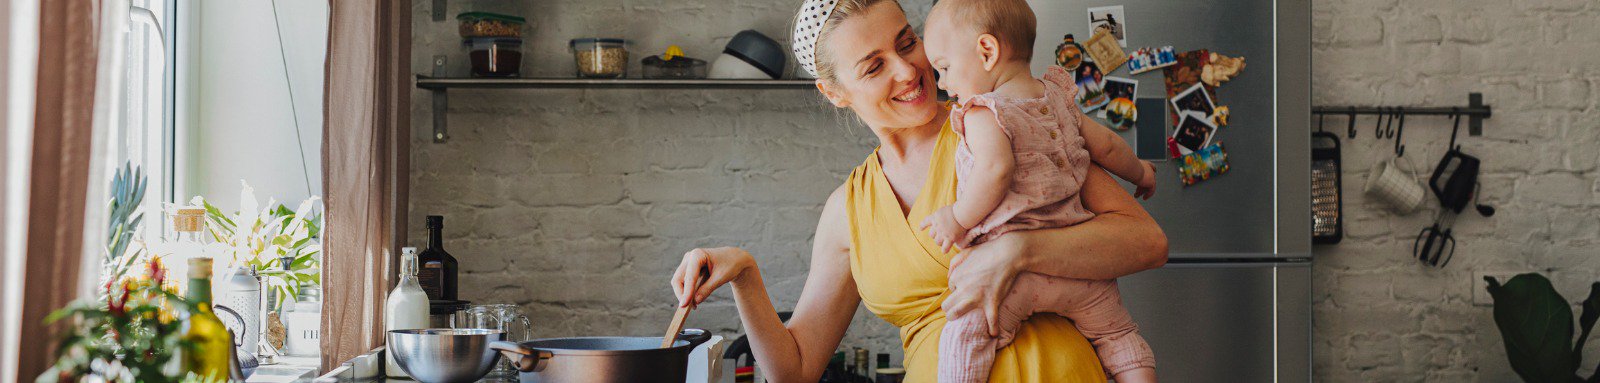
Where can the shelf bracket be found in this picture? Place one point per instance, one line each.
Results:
(441, 102)
(1475, 122)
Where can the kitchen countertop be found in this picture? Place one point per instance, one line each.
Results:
(288, 369)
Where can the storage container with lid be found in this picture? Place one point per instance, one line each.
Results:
(485, 24)
(600, 57)
(494, 56)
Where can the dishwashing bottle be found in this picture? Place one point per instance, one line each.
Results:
(407, 307)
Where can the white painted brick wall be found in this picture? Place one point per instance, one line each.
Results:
(577, 203)
(1380, 316)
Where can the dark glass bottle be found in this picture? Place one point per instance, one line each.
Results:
(439, 269)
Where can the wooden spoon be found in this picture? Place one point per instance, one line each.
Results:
(675, 327)
(678, 317)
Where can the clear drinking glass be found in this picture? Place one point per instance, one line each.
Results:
(477, 316)
(512, 321)
(507, 318)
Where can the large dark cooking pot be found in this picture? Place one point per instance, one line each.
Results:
(603, 359)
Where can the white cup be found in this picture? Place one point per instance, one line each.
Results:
(1390, 184)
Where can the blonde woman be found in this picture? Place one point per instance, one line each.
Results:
(868, 250)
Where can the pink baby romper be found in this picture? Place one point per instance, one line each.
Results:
(1051, 164)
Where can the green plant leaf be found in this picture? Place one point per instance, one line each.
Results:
(1536, 324)
(1586, 320)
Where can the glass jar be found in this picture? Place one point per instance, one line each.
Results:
(486, 24)
(600, 57)
(302, 323)
(494, 56)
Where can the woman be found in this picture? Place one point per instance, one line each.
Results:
(867, 250)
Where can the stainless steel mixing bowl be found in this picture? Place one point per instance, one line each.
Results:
(445, 355)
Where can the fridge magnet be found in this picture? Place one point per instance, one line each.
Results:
(1203, 164)
(1105, 52)
(1184, 74)
(1111, 20)
(1120, 112)
(1219, 69)
(1148, 59)
(1069, 54)
(1090, 95)
(1220, 118)
(1194, 100)
(1194, 132)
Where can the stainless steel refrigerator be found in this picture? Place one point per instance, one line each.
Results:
(1234, 302)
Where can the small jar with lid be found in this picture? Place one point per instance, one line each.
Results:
(494, 56)
(302, 322)
(487, 24)
(600, 57)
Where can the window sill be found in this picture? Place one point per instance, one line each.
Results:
(288, 369)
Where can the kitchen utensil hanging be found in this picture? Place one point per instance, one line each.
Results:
(1395, 186)
(1327, 196)
(1454, 183)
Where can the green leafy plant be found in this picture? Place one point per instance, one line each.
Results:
(268, 239)
(133, 329)
(124, 218)
(128, 335)
(1536, 323)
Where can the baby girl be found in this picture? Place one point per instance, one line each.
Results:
(1025, 151)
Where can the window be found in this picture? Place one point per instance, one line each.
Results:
(143, 133)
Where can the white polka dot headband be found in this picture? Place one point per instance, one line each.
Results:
(806, 27)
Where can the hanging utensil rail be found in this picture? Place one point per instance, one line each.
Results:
(1475, 112)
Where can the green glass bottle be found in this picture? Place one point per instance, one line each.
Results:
(208, 341)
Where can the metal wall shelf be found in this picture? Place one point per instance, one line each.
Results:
(426, 82)
(440, 87)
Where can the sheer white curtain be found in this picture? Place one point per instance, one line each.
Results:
(19, 41)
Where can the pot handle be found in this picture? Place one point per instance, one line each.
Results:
(526, 359)
(695, 336)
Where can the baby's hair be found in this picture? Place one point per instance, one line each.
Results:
(1010, 21)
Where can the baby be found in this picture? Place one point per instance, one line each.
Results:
(1025, 152)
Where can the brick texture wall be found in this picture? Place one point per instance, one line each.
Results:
(576, 204)
(1380, 316)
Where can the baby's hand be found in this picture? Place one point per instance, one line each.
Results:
(944, 229)
(1147, 184)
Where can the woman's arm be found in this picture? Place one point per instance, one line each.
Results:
(1121, 239)
(797, 351)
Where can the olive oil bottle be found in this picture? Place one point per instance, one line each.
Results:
(210, 344)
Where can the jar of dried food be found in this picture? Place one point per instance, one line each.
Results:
(494, 56)
(485, 24)
(600, 57)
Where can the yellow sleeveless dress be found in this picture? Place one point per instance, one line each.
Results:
(902, 277)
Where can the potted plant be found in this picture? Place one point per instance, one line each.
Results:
(132, 330)
(1536, 323)
(274, 238)
(271, 250)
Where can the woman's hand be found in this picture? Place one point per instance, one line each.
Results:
(704, 270)
(981, 276)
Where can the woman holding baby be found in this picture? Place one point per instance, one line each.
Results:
(915, 232)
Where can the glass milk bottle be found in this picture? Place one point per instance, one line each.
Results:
(406, 308)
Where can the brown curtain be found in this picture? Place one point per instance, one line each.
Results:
(63, 126)
(365, 146)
